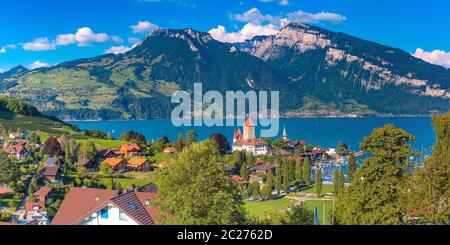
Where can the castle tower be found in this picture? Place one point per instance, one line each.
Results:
(249, 130)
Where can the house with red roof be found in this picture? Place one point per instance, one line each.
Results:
(129, 150)
(16, 148)
(117, 164)
(87, 206)
(43, 193)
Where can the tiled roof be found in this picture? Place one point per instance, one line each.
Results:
(80, 202)
(113, 162)
(83, 162)
(51, 171)
(137, 161)
(134, 206)
(130, 147)
(248, 123)
(51, 161)
(43, 192)
(251, 142)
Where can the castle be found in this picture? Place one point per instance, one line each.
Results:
(248, 142)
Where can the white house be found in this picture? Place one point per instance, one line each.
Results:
(86, 206)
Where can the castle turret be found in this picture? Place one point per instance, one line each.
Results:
(249, 130)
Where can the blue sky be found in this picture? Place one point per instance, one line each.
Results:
(37, 33)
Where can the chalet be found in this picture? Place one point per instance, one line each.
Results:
(248, 142)
(43, 193)
(51, 162)
(17, 149)
(117, 164)
(170, 150)
(106, 153)
(139, 164)
(87, 206)
(129, 150)
(239, 180)
(36, 218)
(51, 174)
(35, 206)
(88, 164)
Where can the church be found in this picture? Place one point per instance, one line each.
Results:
(248, 142)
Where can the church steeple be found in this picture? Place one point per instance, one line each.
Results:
(284, 133)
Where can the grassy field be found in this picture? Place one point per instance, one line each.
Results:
(258, 209)
(319, 204)
(312, 189)
(131, 178)
(14, 122)
(105, 144)
(159, 157)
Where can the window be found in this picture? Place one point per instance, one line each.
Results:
(104, 213)
(122, 216)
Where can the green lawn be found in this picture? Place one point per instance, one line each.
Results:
(319, 204)
(312, 189)
(160, 157)
(105, 144)
(258, 209)
(13, 122)
(131, 178)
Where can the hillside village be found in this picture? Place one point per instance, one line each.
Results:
(59, 179)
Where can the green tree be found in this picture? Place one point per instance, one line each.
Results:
(307, 171)
(318, 182)
(197, 190)
(67, 160)
(191, 137)
(336, 181)
(351, 166)
(254, 189)
(374, 195)
(278, 178)
(180, 142)
(9, 170)
(244, 171)
(268, 185)
(341, 148)
(428, 190)
(87, 151)
(298, 171)
(286, 181)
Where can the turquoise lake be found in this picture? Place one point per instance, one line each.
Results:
(325, 132)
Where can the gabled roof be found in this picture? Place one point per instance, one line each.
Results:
(105, 152)
(134, 206)
(248, 123)
(43, 192)
(51, 171)
(80, 202)
(51, 161)
(130, 147)
(83, 162)
(250, 142)
(113, 162)
(137, 161)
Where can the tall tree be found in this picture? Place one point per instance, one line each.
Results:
(318, 182)
(351, 166)
(307, 171)
(286, 181)
(9, 170)
(337, 181)
(180, 142)
(268, 185)
(67, 160)
(222, 141)
(191, 137)
(87, 151)
(373, 197)
(197, 190)
(278, 178)
(52, 147)
(298, 171)
(244, 171)
(428, 190)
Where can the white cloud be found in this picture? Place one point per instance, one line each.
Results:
(258, 23)
(249, 31)
(39, 44)
(38, 64)
(83, 37)
(117, 50)
(65, 39)
(2, 50)
(280, 2)
(86, 37)
(322, 17)
(117, 39)
(2, 70)
(143, 26)
(437, 57)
